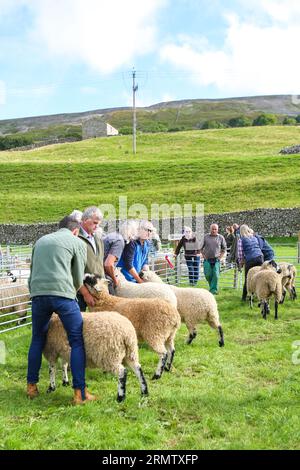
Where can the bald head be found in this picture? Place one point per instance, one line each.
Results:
(214, 229)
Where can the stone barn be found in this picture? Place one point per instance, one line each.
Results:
(96, 127)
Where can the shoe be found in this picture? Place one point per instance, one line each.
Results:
(77, 400)
(32, 391)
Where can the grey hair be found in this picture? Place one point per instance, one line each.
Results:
(91, 211)
(69, 222)
(76, 214)
(144, 224)
(129, 230)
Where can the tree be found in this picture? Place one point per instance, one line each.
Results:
(241, 121)
(212, 125)
(289, 121)
(265, 120)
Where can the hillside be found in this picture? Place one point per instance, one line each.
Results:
(174, 115)
(226, 170)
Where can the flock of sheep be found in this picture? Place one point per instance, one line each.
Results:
(150, 312)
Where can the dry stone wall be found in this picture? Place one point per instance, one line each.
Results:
(267, 222)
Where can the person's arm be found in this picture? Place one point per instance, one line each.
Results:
(178, 248)
(240, 252)
(134, 274)
(109, 267)
(223, 246)
(77, 268)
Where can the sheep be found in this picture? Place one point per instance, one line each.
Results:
(266, 283)
(109, 340)
(155, 320)
(271, 265)
(146, 290)
(194, 306)
(14, 298)
(289, 273)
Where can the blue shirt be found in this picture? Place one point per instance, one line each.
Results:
(135, 255)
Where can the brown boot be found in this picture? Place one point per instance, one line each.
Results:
(32, 391)
(77, 400)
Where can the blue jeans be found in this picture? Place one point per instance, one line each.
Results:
(193, 264)
(68, 311)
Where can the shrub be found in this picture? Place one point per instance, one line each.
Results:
(11, 141)
(241, 121)
(125, 130)
(298, 118)
(289, 121)
(265, 120)
(212, 125)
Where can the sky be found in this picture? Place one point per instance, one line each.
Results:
(62, 56)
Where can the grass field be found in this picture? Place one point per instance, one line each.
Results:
(243, 396)
(226, 170)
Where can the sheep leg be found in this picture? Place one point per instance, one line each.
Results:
(192, 335)
(122, 384)
(283, 296)
(161, 365)
(251, 300)
(140, 375)
(52, 374)
(65, 378)
(221, 333)
(294, 293)
(276, 309)
(171, 353)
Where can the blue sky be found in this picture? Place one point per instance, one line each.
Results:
(60, 56)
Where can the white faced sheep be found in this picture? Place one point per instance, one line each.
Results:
(14, 298)
(110, 343)
(265, 284)
(194, 306)
(145, 290)
(155, 320)
(271, 265)
(289, 273)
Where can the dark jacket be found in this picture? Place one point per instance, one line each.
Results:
(266, 249)
(191, 247)
(251, 248)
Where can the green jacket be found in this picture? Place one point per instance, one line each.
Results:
(94, 264)
(57, 266)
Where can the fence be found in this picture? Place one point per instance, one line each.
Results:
(15, 310)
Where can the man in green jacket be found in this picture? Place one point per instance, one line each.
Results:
(90, 221)
(57, 271)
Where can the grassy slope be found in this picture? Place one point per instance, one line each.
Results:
(245, 395)
(227, 170)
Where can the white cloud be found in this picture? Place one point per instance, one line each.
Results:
(254, 58)
(2, 93)
(102, 34)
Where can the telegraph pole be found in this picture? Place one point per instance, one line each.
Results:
(134, 90)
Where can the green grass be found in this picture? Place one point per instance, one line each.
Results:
(243, 396)
(226, 170)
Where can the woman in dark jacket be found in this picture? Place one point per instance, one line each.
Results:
(191, 253)
(250, 253)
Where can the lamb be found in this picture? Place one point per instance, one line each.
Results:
(265, 284)
(146, 290)
(14, 299)
(110, 341)
(155, 320)
(194, 306)
(271, 265)
(289, 273)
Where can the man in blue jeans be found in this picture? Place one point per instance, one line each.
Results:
(57, 271)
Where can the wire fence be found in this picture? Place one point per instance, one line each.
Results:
(15, 305)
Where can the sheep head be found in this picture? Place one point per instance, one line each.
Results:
(95, 284)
